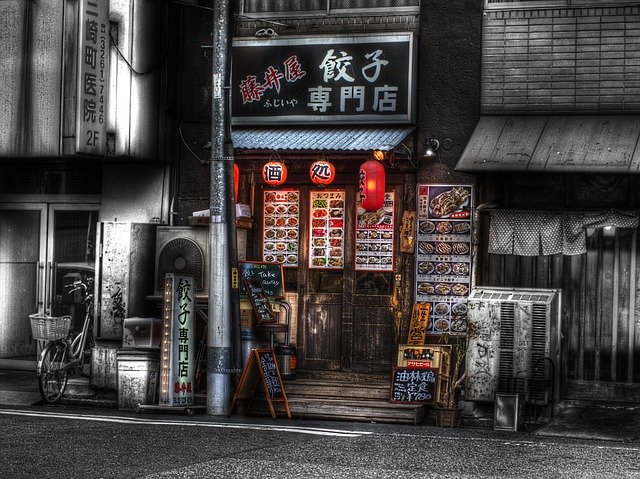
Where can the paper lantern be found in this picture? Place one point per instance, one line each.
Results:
(322, 172)
(236, 180)
(371, 185)
(274, 173)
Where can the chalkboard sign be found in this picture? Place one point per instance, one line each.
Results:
(413, 386)
(259, 301)
(262, 367)
(269, 274)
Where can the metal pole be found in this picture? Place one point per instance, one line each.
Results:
(220, 316)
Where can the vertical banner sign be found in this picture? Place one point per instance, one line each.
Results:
(177, 365)
(93, 68)
(374, 236)
(443, 259)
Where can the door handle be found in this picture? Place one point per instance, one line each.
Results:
(49, 288)
(38, 278)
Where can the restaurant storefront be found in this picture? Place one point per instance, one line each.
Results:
(314, 110)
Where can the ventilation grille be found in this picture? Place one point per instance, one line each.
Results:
(184, 257)
(512, 295)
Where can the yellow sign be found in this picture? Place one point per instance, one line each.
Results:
(419, 324)
(235, 278)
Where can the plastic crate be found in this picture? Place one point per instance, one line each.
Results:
(48, 328)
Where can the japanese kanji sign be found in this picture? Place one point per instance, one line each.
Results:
(177, 366)
(297, 80)
(414, 386)
(93, 70)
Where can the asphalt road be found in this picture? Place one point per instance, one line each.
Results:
(63, 442)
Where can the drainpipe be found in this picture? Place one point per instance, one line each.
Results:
(222, 213)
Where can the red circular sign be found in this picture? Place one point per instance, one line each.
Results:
(322, 172)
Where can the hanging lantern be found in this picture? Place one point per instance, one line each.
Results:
(236, 180)
(371, 185)
(322, 172)
(274, 173)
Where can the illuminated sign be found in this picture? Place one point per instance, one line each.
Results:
(359, 78)
(177, 363)
(93, 68)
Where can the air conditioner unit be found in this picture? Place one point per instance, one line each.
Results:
(182, 250)
(513, 340)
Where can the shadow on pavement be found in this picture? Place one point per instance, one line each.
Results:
(594, 420)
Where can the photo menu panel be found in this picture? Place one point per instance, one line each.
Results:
(443, 256)
(326, 220)
(281, 213)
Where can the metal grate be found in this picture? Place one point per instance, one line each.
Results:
(325, 6)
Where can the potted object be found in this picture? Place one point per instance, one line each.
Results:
(447, 412)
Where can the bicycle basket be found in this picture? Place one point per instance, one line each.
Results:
(49, 327)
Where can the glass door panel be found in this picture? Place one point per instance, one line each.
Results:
(22, 257)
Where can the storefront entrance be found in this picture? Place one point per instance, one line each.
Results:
(346, 314)
(42, 246)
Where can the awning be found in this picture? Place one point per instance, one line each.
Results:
(554, 143)
(360, 138)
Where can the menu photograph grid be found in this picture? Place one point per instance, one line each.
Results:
(281, 218)
(374, 236)
(443, 256)
(326, 220)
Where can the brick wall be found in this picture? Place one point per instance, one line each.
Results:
(583, 60)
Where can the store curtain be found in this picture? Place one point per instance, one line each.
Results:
(533, 233)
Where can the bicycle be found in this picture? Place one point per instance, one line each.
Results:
(65, 352)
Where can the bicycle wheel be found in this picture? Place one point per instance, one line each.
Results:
(52, 380)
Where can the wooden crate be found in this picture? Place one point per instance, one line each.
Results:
(439, 357)
(442, 388)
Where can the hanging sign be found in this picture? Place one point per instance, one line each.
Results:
(322, 172)
(92, 79)
(274, 173)
(326, 220)
(443, 257)
(374, 236)
(419, 324)
(177, 364)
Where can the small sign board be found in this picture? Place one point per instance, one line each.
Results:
(259, 301)
(262, 368)
(412, 386)
(269, 274)
(419, 324)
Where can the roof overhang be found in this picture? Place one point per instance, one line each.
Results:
(354, 138)
(554, 143)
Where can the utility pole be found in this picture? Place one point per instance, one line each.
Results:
(221, 235)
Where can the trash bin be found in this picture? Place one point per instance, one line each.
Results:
(251, 340)
(138, 372)
(287, 357)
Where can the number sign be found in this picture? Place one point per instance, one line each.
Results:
(413, 386)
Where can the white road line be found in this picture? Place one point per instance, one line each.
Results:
(151, 422)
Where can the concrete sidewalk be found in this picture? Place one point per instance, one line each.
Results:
(573, 419)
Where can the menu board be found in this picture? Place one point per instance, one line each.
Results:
(281, 221)
(259, 301)
(326, 220)
(412, 386)
(374, 236)
(443, 257)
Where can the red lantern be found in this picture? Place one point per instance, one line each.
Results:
(322, 172)
(371, 185)
(274, 173)
(236, 180)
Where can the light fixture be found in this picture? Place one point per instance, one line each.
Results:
(431, 146)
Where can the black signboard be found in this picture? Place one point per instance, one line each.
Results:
(325, 78)
(269, 275)
(259, 301)
(413, 386)
(262, 368)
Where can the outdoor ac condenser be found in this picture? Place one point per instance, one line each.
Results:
(512, 334)
(182, 250)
